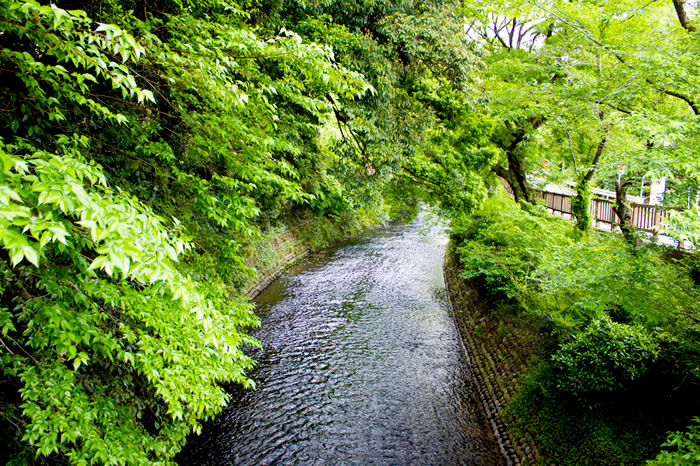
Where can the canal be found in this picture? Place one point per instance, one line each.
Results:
(361, 364)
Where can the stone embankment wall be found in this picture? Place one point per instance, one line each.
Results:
(279, 250)
(499, 351)
(290, 251)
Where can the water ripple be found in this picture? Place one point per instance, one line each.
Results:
(361, 364)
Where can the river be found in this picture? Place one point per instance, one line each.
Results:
(361, 364)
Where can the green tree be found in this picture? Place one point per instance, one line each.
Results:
(116, 333)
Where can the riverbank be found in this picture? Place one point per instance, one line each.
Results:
(500, 353)
(281, 247)
(584, 347)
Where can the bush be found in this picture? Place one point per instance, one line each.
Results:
(567, 431)
(604, 356)
(685, 447)
(492, 273)
(602, 275)
(605, 311)
(500, 246)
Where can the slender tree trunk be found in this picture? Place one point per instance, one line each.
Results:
(624, 213)
(679, 5)
(580, 204)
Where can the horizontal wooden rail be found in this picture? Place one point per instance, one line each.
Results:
(644, 217)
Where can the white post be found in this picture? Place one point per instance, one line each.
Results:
(689, 196)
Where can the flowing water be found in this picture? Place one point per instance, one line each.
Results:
(361, 364)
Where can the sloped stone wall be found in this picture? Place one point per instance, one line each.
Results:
(499, 351)
(290, 245)
(293, 251)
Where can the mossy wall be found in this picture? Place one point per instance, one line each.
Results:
(284, 245)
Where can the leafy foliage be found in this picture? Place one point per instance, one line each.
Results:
(618, 330)
(501, 245)
(569, 430)
(116, 333)
(682, 447)
(604, 356)
(111, 317)
(148, 149)
(590, 94)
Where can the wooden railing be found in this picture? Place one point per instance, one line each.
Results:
(644, 217)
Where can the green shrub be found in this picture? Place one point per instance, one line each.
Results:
(567, 431)
(601, 275)
(684, 447)
(604, 356)
(604, 312)
(495, 275)
(500, 246)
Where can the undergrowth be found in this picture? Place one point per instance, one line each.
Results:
(618, 332)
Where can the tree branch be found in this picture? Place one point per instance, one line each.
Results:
(363, 149)
(683, 97)
(679, 5)
(422, 179)
(693, 105)
(500, 171)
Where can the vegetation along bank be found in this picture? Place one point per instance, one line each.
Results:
(157, 156)
(585, 347)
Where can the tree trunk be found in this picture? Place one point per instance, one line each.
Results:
(679, 5)
(624, 213)
(521, 190)
(515, 174)
(515, 167)
(580, 204)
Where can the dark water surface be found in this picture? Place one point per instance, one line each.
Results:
(361, 365)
